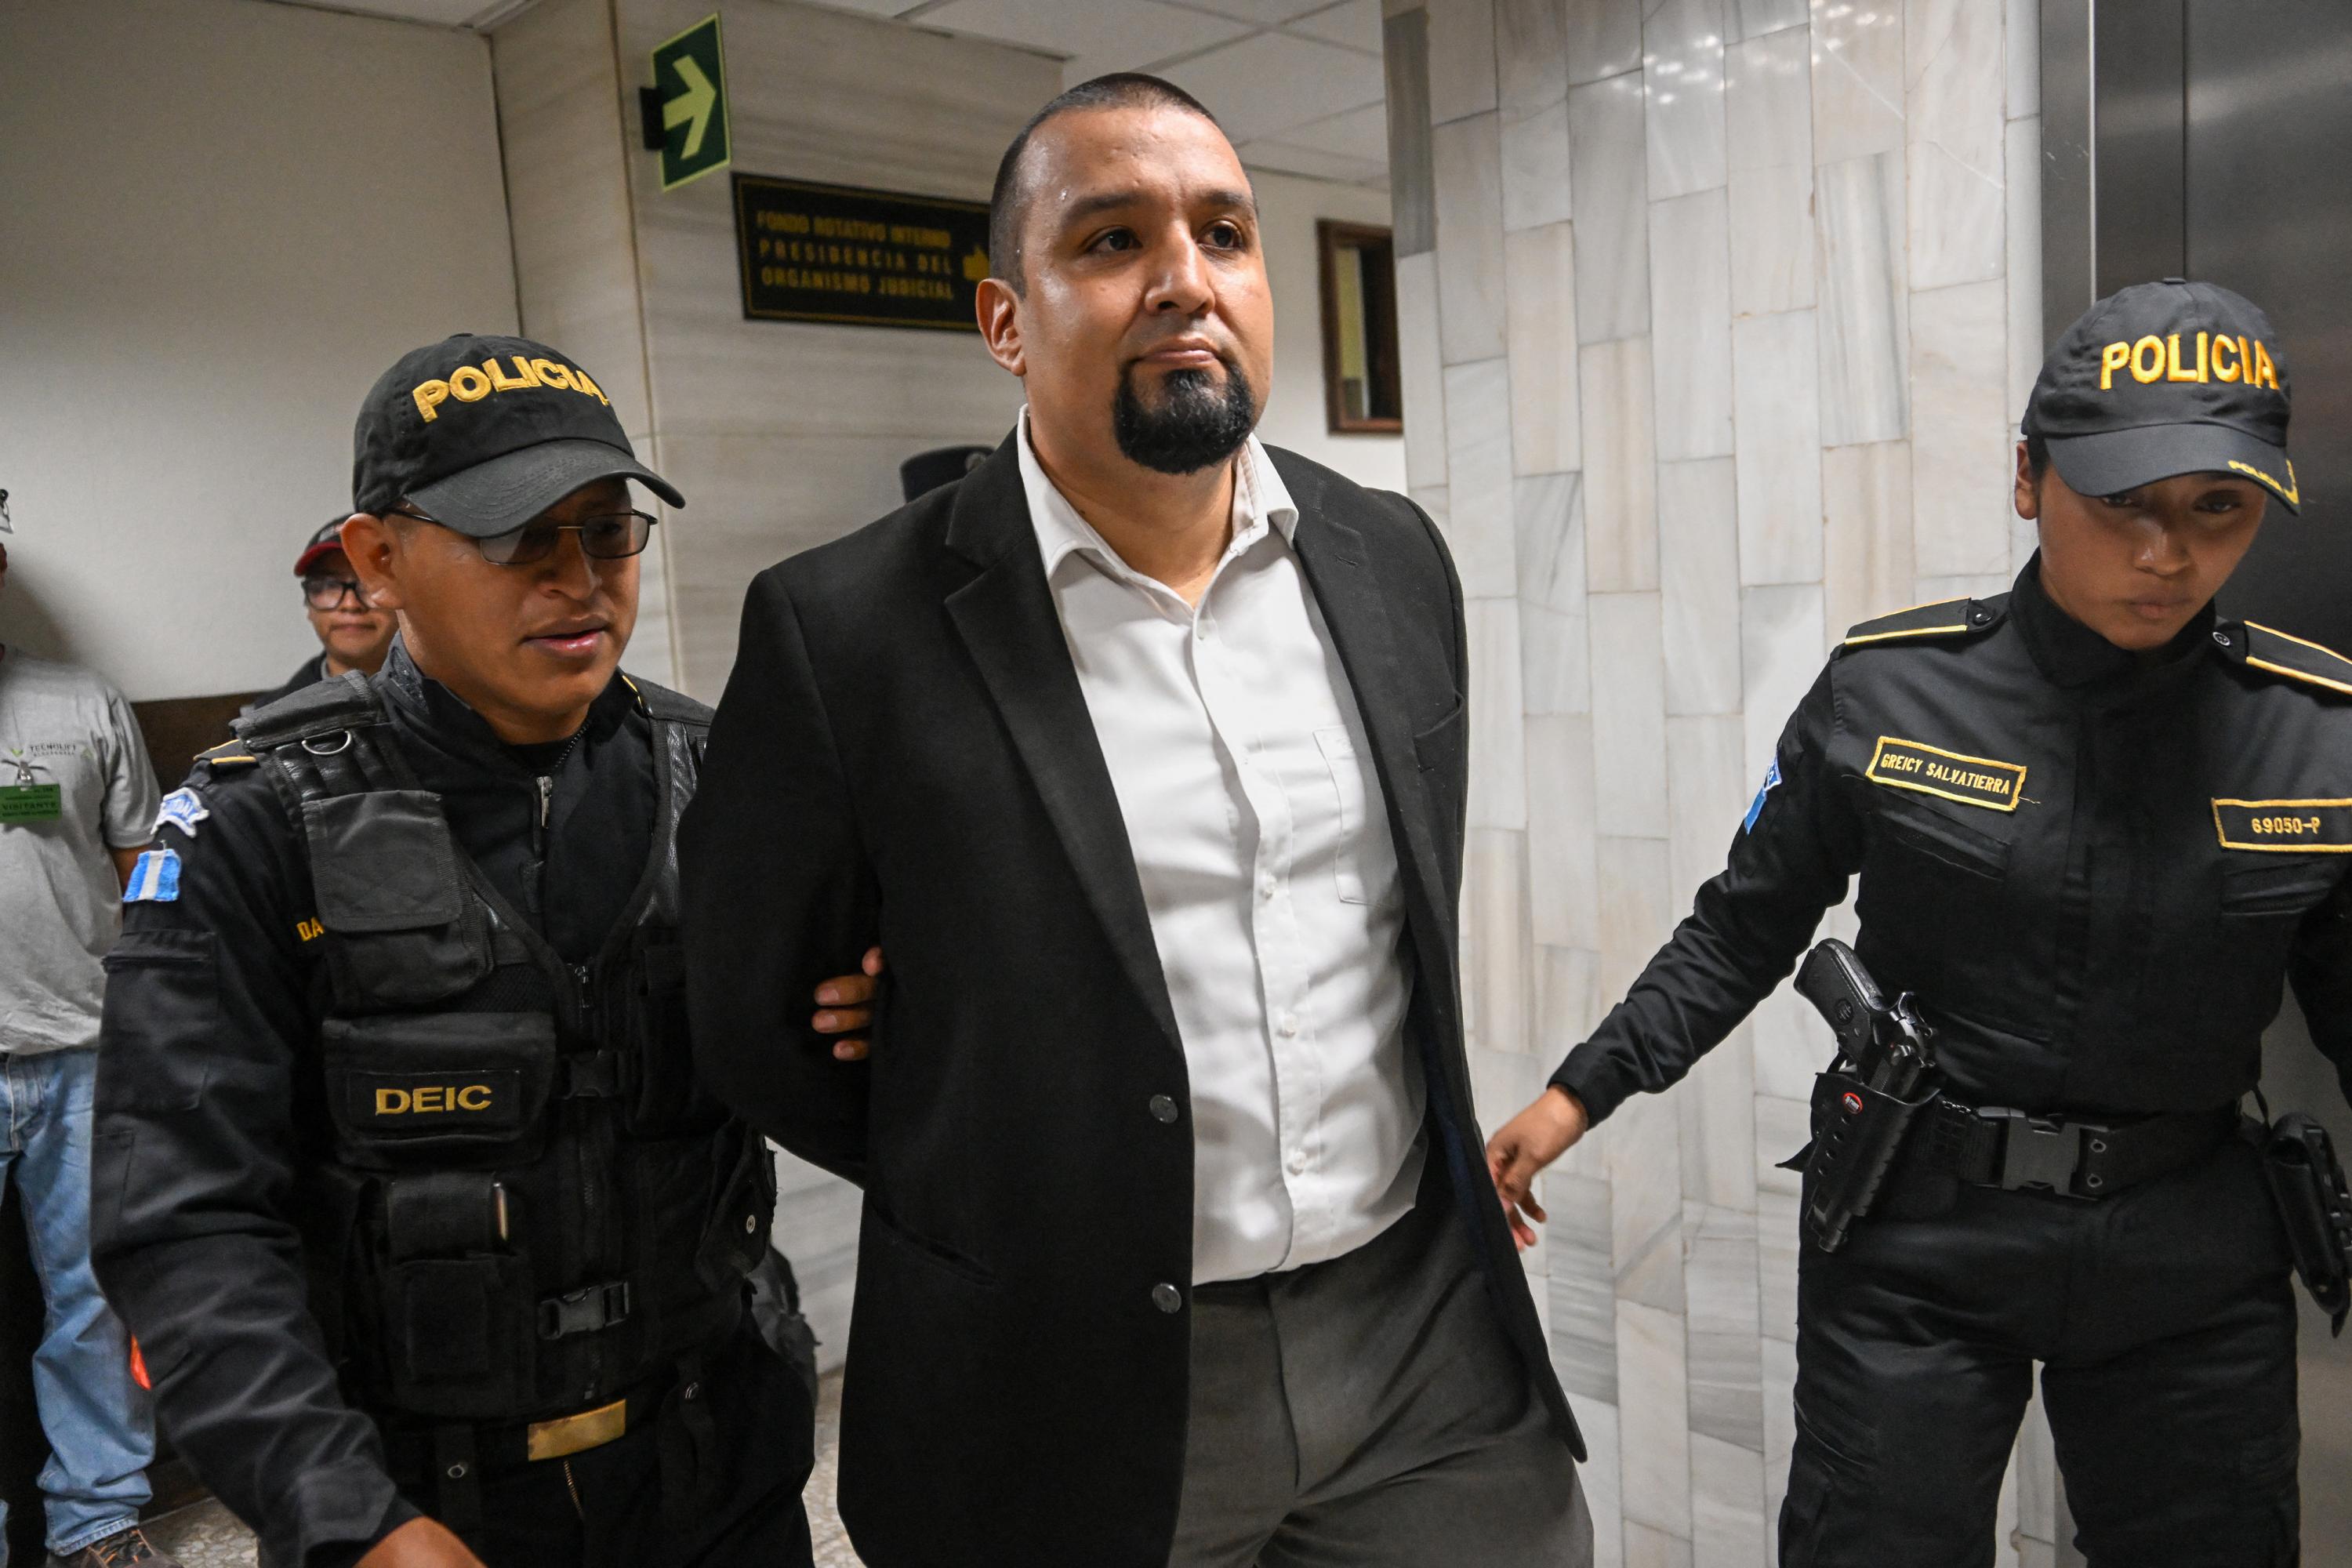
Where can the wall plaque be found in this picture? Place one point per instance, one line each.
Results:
(868, 259)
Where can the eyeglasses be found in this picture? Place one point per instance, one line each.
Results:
(327, 593)
(615, 537)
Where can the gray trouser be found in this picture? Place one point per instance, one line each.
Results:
(1368, 1413)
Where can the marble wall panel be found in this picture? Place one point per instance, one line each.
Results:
(1404, 56)
(1690, 315)
(1857, 56)
(1708, 787)
(1754, 18)
(1582, 1286)
(1621, 516)
(1494, 939)
(1682, 53)
(1562, 848)
(1637, 913)
(1717, 1105)
(1769, 101)
(1603, 1476)
(1653, 1426)
(1555, 652)
(1531, 61)
(1461, 60)
(1771, 239)
(1781, 655)
(1539, 271)
(1641, 1157)
(1727, 1520)
(1498, 796)
(1478, 477)
(1629, 718)
(1698, 571)
(1960, 451)
(1420, 368)
(1777, 395)
(1602, 38)
(1955, 74)
(1720, 1282)
(1864, 307)
(1467, 158)
(1608, 172)
(1866, 532)
(1568, 1004)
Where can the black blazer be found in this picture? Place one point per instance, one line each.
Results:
(904, 750)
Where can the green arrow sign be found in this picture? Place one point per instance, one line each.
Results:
(690, 76)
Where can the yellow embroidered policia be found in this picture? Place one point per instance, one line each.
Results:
(471, 383)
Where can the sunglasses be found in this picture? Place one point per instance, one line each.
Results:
(615, 537)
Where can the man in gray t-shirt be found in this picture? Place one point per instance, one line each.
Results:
(76, 802)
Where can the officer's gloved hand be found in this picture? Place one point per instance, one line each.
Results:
(1523, 1146)
(420, 1543)
(844, 1005)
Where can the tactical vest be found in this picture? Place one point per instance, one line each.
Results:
(525, 1205)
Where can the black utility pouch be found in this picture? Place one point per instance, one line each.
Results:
(1858, 1135)
(453, 1305)
(453, 1089)
(2307, 1183)
(401, 930)
(735, 1238)
(648, 1014)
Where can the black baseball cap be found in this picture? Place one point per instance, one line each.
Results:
(2161, 379)
(328, 538)
(483, 433)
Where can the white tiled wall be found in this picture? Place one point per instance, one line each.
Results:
(1732, 308)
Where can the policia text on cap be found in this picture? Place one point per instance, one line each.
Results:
(2094, 825)
(436, 1249)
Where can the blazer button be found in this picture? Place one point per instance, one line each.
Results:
(1167, 1298)
(1162, 1108)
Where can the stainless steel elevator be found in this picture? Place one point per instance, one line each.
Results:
(2212, 139)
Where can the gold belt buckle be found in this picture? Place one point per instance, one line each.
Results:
(575, 1434)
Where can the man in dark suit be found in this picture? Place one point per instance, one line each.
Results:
(1142, 748)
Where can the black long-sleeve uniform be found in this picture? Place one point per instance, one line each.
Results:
(210, 1098)
(2093, 867)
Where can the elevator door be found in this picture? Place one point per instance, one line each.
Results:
(2268, 205)
(2212, 139)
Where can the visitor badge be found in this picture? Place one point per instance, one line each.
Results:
(32, 802)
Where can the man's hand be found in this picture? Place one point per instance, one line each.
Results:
(1516, 1154)
(844, 1002)
(420, 1543)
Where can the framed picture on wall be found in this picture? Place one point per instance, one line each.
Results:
(1360, 392)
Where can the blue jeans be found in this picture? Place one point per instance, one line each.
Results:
(101, 1427)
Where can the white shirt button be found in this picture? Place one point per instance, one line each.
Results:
(1290, 1023)
(1298, 1162)
(1265, 886)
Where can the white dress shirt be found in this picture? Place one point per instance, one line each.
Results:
(1261, 839)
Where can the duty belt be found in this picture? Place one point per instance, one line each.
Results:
(1993, 1146)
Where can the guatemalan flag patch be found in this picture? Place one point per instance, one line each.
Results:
(154, 879)
(1756, 807)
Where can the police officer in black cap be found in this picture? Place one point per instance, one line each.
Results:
(435, 1248)
(353, 633)
(2095, 824)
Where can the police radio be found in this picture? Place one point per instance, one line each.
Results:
(1884, 1076)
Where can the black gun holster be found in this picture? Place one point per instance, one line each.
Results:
(2307, 1183)
(1858, 1132)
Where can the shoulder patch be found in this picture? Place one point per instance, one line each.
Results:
(2297, 658)
(1944, 619)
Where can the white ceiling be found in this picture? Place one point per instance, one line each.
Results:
(1297, 83)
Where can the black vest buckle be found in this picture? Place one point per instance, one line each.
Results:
(584, 1310)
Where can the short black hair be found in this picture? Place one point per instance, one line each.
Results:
(1008, 202)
